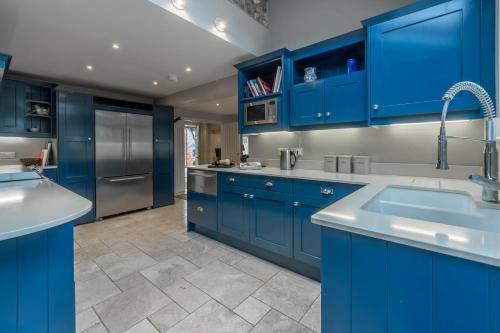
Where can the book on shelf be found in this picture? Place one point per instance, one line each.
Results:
(259, 87)
(264, 86)
(277, 79)
(251, 88)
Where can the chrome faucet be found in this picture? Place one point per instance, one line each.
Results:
(489, 181)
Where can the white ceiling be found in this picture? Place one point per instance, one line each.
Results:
(58, 38)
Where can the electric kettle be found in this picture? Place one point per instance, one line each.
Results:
(288, 159)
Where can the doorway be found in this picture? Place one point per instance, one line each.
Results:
(191, 148)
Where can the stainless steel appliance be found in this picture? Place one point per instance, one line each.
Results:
(288, 159)
(124, 162)
(202, 182)
(261, 112)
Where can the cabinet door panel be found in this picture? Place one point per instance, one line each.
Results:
(307, 235)
(12, 107)
(308, 103)
(163, 166)
(233, 212)
(76, 146)
(202, 210)
(271, 222)
(345, 98)
(415, 58)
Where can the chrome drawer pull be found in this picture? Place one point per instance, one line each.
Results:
(251, 196)
(245, 195)
(269, 184)
(296, 204)
(200, 209)
(326, 191)
(232, 179)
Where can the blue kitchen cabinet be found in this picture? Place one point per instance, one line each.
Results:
(371, 285)
(75, 119)
(12, 107)
(345, 98)
(234, 212)
(163, 174)
(414, 57)
(202, 210)
(308, 103)
(51, 174)
(310, 197)
(271, 221)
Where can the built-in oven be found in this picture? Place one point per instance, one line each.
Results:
(261, 112)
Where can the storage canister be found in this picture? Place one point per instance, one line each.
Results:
(330, 164)
(345, 163)
(361, 165)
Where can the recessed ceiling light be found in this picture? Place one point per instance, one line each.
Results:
(90, 67)
(188, 69)
(220, 24)
(217, 104)
(179, 4)
(116, 46)
(155, 83)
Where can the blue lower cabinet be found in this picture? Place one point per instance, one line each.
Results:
(51, 174)
(370, 285)
(202, 210)
(37, 282)
(271, 221)
(234, 212)
(307, 235)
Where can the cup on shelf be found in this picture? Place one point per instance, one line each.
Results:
(310, 74)
(351, 65)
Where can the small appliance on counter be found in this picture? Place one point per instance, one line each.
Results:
(251, 166)
(361, 165)
(261, 112)
(330, 163)
(288, 158)
(226, 163)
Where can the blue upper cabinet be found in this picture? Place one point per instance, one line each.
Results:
(76, 146)
(416, 53)
(163, 123)
(12, 107)
(264, 109)
(338, 95)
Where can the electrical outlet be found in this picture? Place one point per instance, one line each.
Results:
(7, 155)
(299, 151)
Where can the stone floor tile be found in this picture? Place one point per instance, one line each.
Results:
(143, 327)
(290, 294)
(123, 248)
(86, 319)
(94, 291)
(131, 281)
(125, 310)
(312, 318)
(186, 295)
(258, 268)
(226, 284)
(214, 318)
(169, 271)
(117, 267)
(252, 310)
(167, 317)
(87, 270)
(97, 328)
(279, 323)
(232, 258)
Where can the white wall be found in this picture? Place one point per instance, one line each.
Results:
(297, 23)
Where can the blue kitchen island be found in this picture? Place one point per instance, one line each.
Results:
(36, 256)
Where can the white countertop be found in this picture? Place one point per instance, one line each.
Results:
(29, 206)
(346, 214)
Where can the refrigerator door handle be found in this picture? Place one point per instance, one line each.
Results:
(126, 179)
(124, 143)
(129, 143)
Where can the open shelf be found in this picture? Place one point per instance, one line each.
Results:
(251, 99)
(42, 96)
(266, 71)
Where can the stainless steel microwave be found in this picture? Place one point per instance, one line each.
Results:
(261, 112)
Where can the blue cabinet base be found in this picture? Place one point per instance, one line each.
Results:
(286, 262)
(37, 282)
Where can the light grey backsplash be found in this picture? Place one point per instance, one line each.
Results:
(400, 150)
(24, 147)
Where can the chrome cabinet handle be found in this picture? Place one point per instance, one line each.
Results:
(328, 114)
(245, 195)
(375, 107)
(319, 115)
(232, 179)
(251, 196)
(269, 184)
(296, 204)
(89, 138)
(200, 209)
(326, 191)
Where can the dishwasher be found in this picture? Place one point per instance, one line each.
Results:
(202, 199)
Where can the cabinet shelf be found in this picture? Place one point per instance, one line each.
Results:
(251, 99)
(32, 101)
(34, 115)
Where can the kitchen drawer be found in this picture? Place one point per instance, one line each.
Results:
(274, 184)
(322, 193)
(202, 210)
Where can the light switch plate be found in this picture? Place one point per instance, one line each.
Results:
(7, 155)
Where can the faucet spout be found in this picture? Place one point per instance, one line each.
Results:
(489, 182)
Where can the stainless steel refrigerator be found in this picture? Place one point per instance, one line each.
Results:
(124, 162)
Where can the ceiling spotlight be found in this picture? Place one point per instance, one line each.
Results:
(90, 67)
(155, 83)
(179, 4)
(220, 24)
(188, 69)
(217, 104)
(116, 46)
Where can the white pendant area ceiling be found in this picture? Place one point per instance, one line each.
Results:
(129, 44)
